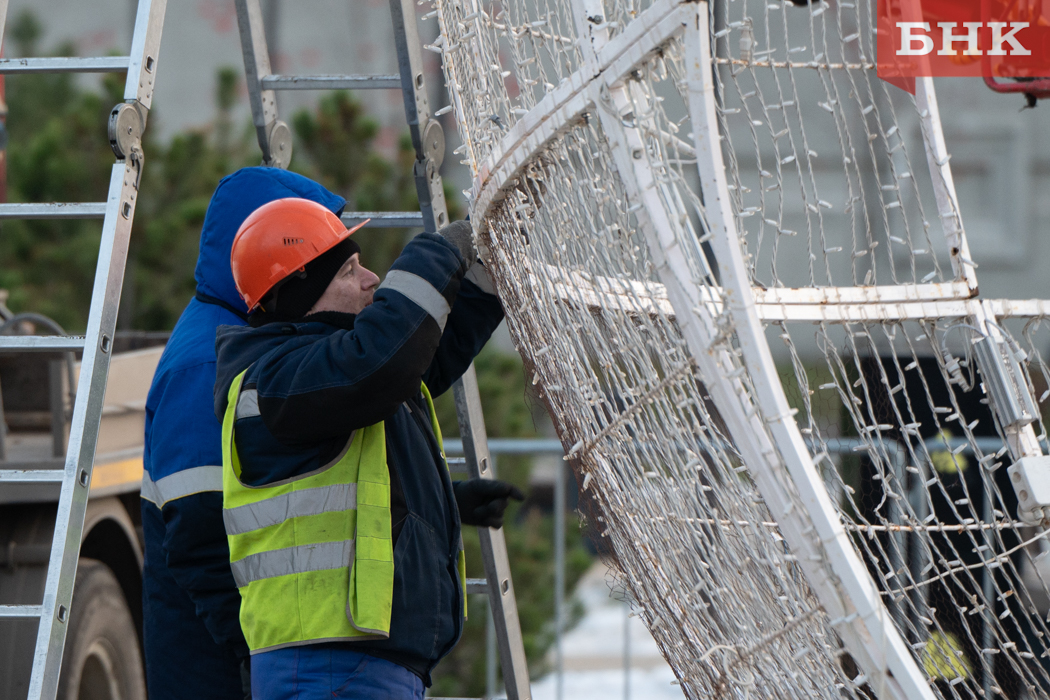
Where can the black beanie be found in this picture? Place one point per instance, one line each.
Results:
(297, 294)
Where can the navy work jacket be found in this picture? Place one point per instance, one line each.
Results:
(318, 380)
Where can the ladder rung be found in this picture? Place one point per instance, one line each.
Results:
(34, 464)
(20, 610)
(101, 64)
(478, 585)
(384, 219)
(41, 343)
(54, 210)
(331, 82)
(31, 476)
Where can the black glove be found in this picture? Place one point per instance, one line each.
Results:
(482, 501)
(461, 235)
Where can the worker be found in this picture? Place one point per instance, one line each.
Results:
(343, 523)
(194, 646)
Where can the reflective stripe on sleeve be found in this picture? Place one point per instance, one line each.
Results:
(292, 560)
(323, 499)
(247, 404)
(181, 484)
(420, 292)
(481, 277)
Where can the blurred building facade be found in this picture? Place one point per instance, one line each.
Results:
(1000, 164)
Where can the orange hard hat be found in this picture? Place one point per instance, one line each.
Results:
(279, 238)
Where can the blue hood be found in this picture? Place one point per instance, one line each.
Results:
(237, 196)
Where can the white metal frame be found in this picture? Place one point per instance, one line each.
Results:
(943, 185)
(610, 60)
(601, 294)
(815, 533)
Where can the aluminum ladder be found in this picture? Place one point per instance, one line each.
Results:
(127, 121)
(275, 140)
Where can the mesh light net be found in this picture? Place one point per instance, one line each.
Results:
(666, 193)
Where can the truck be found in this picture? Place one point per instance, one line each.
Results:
(103, 649)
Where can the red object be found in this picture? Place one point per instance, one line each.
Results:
(1005, 42)
(1038, 88)
(1033, 88)
(279, 238)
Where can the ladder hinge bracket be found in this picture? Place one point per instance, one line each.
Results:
(127, 123)
(434, 143)
(279, 139)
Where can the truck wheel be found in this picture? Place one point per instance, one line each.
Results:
(102, 659)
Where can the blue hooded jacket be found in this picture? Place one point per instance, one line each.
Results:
(192, 633)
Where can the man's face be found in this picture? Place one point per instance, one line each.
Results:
(350, 291)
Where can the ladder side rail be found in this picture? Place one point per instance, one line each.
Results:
(87, 414)
(145, 47)
(502, 601)
(273, 135)
(427, 136)
(90, 397)
(429, 142)
(3, 16)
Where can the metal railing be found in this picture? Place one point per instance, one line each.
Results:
(840, 447)
(529, 447)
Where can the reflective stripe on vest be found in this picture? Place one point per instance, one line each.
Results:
(181, 484)
(292, 560)
(322, 499)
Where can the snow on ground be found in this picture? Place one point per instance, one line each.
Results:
(593, 652)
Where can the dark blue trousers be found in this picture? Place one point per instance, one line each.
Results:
(327, 671)
(182, 659)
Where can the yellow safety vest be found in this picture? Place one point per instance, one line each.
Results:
(312, 556)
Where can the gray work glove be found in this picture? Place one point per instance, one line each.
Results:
(482, 501)
(461, 235)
